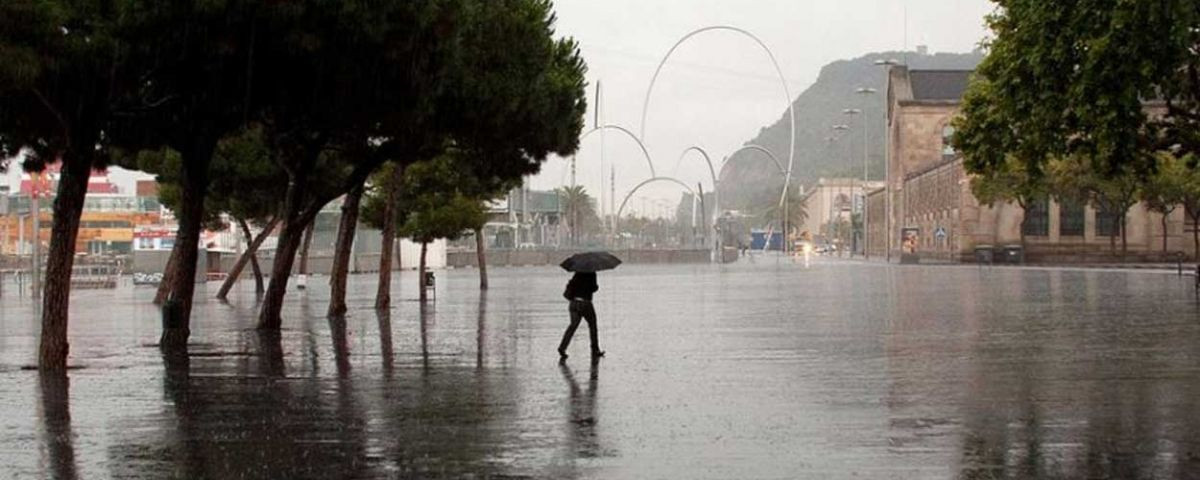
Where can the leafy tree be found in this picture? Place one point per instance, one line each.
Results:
(435, 208)
(1191, 197)
(1077, 178)
(1068, 77)
(354, 83)
(61, 65)
(1166, 189)
(199, 60)
(480, 76)
(1009, 181)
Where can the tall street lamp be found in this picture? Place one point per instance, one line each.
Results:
(865, 92)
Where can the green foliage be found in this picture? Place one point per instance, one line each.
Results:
(1069, 78)
(60, 66)
(1168, 186)
(1007, 181)
(434, 207)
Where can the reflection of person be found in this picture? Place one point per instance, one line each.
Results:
(583, 412)
(579, 292)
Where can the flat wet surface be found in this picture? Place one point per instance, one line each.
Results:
(753, 370)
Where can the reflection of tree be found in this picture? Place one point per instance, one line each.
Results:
(57, 437)
(386, 351)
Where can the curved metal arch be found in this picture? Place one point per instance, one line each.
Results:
(647, 182)
(786, 93)
(628, 133)
(711, 171)
(756, 148)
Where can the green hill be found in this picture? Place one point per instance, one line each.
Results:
(750, 182)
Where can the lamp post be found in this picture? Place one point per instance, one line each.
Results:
(887, 170)
(865, 92)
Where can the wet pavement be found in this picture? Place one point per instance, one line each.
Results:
(753, 370)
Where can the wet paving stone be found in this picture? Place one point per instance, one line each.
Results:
(754, 370)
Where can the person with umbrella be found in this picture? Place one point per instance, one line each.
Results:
(579, 293)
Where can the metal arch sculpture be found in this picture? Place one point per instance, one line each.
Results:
(638, 141)
(756, 148)
(647, 182)
(786, 93)
(711, 171)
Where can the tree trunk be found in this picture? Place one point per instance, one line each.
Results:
(187, 241)
(247, 257)
(481, 259)
(295, 220)
(308, 234)
(285, 255)
(56, 293)
(421, 275)
(1124, 240)
(341, 252)
(258, 277)
(1196, 235)
(1164, 225)
(169, 271)
(383, 295)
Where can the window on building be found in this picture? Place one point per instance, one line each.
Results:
(1107, 222)
(1071, 218)
(1188, 214)
(947, 148)
(1037, 218)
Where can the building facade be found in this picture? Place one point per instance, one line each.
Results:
(930, 213)
(830, 206)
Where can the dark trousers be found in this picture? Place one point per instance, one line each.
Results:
(581, 310)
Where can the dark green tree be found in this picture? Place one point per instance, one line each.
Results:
(199, 59)
(1009, 181)
(61, 65)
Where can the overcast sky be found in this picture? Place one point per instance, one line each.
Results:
(719, 88)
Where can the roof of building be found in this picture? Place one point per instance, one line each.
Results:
(939, 84)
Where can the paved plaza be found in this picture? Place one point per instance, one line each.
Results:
(759, 369)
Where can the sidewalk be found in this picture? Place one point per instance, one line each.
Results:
(1189, 268)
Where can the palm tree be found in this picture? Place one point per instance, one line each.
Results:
(578, 207)
(796, 210)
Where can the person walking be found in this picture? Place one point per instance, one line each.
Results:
(579, 293)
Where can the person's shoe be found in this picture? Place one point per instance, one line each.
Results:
(562, 354)
(597, 353)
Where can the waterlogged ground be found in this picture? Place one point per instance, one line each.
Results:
(754, 370)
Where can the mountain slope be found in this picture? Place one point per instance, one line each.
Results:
(750, 181)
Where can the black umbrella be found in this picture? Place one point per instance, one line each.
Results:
(590, 262)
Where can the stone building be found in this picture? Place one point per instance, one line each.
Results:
(932, 214)
(831, 202)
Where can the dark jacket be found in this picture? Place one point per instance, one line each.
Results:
(581, 286)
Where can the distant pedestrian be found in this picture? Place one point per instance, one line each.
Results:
(579, 293)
